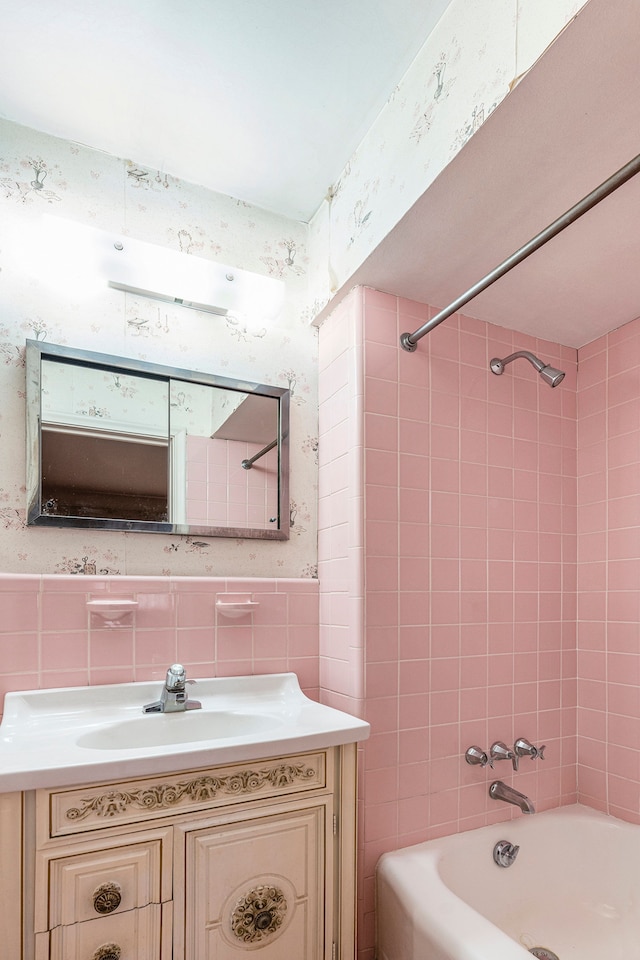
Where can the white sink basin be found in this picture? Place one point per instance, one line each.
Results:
(51, 738)
(154, 730)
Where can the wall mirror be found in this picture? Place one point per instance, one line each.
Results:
(121, 444)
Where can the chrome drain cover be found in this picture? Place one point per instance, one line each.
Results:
(543, 954)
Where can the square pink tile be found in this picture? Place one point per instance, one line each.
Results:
(19, 612)
(19, 653)
(64, 651)
(111, 649)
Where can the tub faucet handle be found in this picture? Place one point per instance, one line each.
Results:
(523, 748)
(500, 751)
(477, 756)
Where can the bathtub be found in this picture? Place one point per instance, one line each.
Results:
(573, 891)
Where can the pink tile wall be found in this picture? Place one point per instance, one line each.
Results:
(247, 498)
(609, 573)
(468, 540)
(48, 637)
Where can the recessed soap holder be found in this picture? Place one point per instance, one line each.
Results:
(233, 606)
(111, 611)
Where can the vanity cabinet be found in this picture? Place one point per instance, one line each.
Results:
(209, 864)
(258, 883)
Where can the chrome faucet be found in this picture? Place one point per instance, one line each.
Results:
(174, 697)
(524, 748)
(500, 751)
(502, 791)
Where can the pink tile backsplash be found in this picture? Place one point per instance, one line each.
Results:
(48, 637)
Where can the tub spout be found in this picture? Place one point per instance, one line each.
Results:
(502, 791)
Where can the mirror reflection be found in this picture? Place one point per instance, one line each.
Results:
(213, 433)
(104, 444)
(122, 444)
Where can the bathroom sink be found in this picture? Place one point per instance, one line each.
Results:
(51, 738)
(154, 730)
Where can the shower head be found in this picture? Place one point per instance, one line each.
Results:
(548, 373)
(552, 376)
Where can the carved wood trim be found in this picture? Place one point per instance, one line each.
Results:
(101, 806)
(113, 803)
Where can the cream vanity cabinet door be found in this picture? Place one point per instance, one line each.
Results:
(258, 885)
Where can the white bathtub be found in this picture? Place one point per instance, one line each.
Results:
(573, 889)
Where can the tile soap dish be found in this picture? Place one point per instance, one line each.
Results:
(234, 609)
(111, 608)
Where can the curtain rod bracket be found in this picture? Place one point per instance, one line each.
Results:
(407, 343)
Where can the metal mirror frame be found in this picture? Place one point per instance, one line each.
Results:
(37, 350)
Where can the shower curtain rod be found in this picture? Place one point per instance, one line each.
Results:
(409, 340)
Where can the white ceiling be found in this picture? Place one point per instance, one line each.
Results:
(263, 100)
(266, 100)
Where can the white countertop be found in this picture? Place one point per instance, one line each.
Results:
(55, 738)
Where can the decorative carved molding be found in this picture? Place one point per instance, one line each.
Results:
(198, 790)
(258, 914)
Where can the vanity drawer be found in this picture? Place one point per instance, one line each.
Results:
(135, 935)
(104, 882)
(94, 807)
(71, 874)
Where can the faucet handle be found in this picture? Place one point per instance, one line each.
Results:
(523, 748)
(477, 756)
(500, 751)
(176, 677)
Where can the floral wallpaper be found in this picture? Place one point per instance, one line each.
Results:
(41, 174)
(465, 69)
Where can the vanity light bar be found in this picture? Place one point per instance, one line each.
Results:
(78, 253)
(203, 307)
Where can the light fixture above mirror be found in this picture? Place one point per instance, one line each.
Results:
(77, 255)
(121, 444)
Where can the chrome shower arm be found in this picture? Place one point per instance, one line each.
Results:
(548, 373)
(497, 366)
(520, 354)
